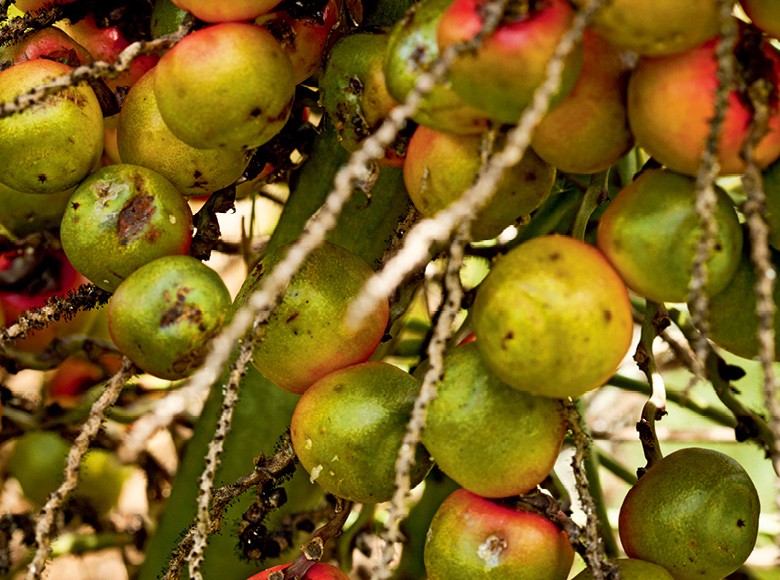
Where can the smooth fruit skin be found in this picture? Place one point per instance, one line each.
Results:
(347, 429)
(472, 537)
(553, 317)
(211, 11)
(166, 312)
(476, 420)
(25, 213)
(411, 51)
(319, 571)
(588, 131)
(632, 569)
(305, 337)
(228, 86)
(671, 100)
(439, 167)
(658, 27)
(695, 513)
(502, 75)
(649, 233)
(101, 479)
(765, 14)
(120, 218)
(51, 146)
(144, 139)
(37, 461)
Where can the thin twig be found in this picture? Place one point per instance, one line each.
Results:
(439, 228)
(399, 508)
(709, 168)
(44, 528)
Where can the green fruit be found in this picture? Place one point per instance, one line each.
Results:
(632, 569)
(227, 86)
(472, 537)
(476, 420)
(144, 139)
(347, 430)
(305, 337)
(650, 231)
(411, 51)
(164, 314)
(695, 513)
(53, 145)
(26, 213)
(120, 218)
(439, 167)
(772, 193)
(553, 318)
(37, 461)
(101, 479)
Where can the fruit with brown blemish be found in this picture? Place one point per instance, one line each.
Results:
(25, 213)
(439, 167)
(473, 537)
(501, 75)
(650, 232)
(695, 512)
(53, 145)
(477, 420)
(166, 312)
(306, 337)
(225, 86)
(120, 218)
(50, 43)
(347, 430)
(411, 51)
(144, 139)
(553, 317)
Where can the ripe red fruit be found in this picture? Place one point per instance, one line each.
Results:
(319, 571)
(500, 77)
(472, 537)
(671, 101)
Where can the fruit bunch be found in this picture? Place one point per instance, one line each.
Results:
(485, 208)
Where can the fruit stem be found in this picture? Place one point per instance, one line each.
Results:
(591, 464)
(595, 195)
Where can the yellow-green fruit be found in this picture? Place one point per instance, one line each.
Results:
(439, 167)
(650, 231)
(25, 213)
(695, 513)
(476, 420)
(632, 569)
(228, 86)
(53, 145)
(144, 139)
(553, 317)
(101, 478)
(659, 27)
(347, 429)
(37, 461)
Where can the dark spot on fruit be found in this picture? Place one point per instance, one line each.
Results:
(180, 310)
(718, 247)
(292, 317)
(355, 86)
(75, 205)
(256, 112)
(607, 316)
(555, 256)
(282, 31)
(134, 220)
(530, 176)
(507, 337)
(740, 523)
(42, 177)
(197, 174)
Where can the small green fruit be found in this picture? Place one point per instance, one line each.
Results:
(37, 461)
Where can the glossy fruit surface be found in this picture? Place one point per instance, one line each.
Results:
(210, 11)
(632, 569)
(500, 77)
(553, 317)
(347, 429)
(164, 314)
(649, 233)
(658, 27)
(51, 146)
(120, 218)
(411, 51)
(36, 461)
(472, 537)
(670, 517)
(228, 86)
(319, 571)
(144, 139)
(588, 131)
(305, 337)
(671, 100)
(439, 167)
(476, 420)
